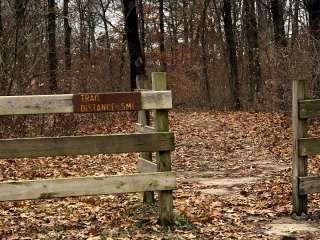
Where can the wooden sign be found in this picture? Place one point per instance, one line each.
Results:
(106, 102)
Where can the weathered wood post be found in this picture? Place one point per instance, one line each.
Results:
(159, 83)
(144, 120)
(299, 168)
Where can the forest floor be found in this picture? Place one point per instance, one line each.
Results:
(234, 182)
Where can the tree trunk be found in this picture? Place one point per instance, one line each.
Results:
(232, 53)
(191, 21)
(172, 24)
(1, 24)
(91, 23)
(109, 67)
(295, 20)
(163, 64)
(204, 53)
(81, 10)
(67, 36)
(52, 54)
(142, 30)
(20, 7)
(278, 23)
(185, 22)
(133, 41)
(313, 7)
(108, 48)
(2, 56)
(250, 25)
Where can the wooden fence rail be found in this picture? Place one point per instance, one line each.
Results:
(85, 103)
(148, 139)
(85, 186)
(86, 145)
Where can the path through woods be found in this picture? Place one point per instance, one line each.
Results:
(234, 182)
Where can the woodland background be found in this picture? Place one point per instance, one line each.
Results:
(222, 54)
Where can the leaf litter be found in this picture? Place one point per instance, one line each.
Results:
(210, 146)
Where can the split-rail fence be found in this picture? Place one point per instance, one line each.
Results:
(158, 139)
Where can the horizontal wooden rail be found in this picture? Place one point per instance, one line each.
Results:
(309, 146)
(85, 103)
(309, 185)
(144, 129)
(86, 186)
(309, 108)
(145, 166)
(86, 145)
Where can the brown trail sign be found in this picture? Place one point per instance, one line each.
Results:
(107, 102)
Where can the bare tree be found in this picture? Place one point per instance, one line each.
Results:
(295, 20)
(67, 36)
(19, 7)
(278, 23)
(232, 53)
(313, 7)
(1, 24)
(163, 64)
(91, 25)
(204, 51)
(81, 6)
(52, 50)
(142, 27)
(133, 41)
(102, 12)
(251, 31)
(185, 7)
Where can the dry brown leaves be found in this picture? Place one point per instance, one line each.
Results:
(210, 145)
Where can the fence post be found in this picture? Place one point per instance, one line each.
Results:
(300, 164)
(159, 83)
(144, 120)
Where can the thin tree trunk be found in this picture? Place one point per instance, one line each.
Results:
(67, 36)
(2, 55)
(142, 30)
(16, 76)
(52, 54)
(204, 53)
(92, 45)
(108, 49)
(122, 62)
(313, 8)
(280, 42)
(250, 25)
(1, 24)
(82, 30)
(191, 21)
(278, 23)
(133, 41)
(92, 30)
(295, 20)
(174, 30)
(185, 22)
(163, 64)
(109, 66)
(232, 52)
(263, 18)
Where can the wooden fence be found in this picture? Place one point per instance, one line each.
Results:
(154, 177)
(303, 146)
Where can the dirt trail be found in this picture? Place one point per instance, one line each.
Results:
(239, 165)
